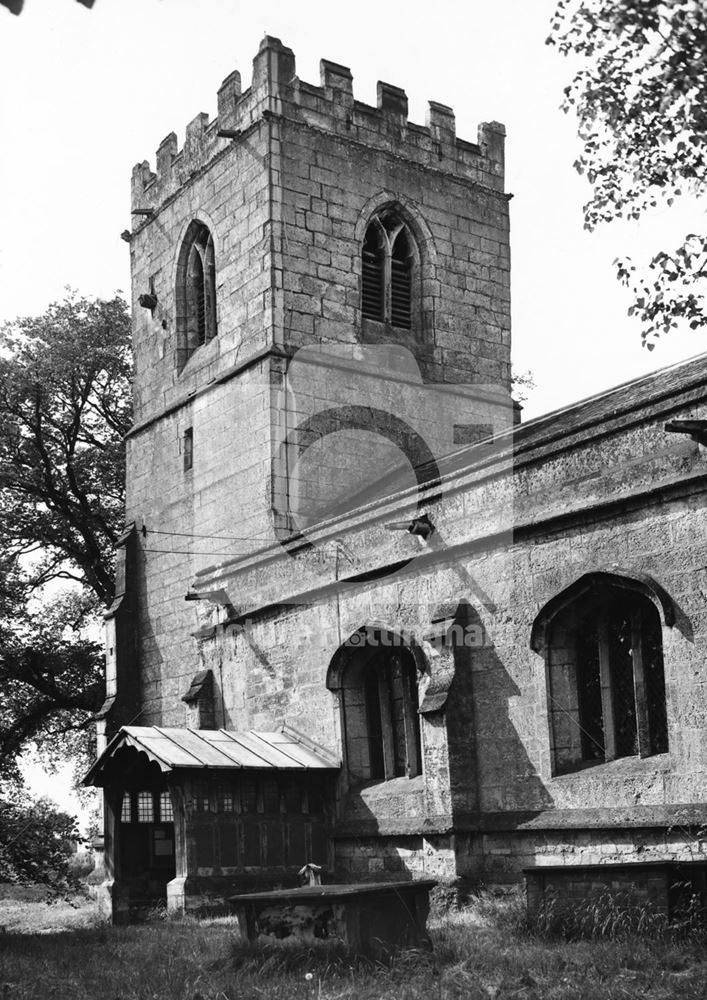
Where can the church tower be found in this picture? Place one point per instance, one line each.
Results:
(321, 310)
(300, 219)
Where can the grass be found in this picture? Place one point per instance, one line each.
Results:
(482, 952)
(33, 910)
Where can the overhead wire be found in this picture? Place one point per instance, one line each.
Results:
(190, 552)
(145, 531)
(194, 534)
(576, 722)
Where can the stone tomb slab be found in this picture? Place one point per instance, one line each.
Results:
(372, 918)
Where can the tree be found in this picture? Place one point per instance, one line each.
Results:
(641, 98)
(36, 840)
(15, 6)
(521, 384)
(64, 409)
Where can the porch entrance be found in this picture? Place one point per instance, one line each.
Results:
(146, 845)
(192, 816)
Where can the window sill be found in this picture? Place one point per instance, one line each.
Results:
(372, 787)
(384, 800)
(202, 355)
(621, 767)
(375, 331)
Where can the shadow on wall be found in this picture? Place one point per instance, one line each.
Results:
(474, 770)
(494, 783)
(490, 769)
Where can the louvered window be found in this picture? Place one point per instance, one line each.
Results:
(400, 290)
(387, 258)
(373, 268)
(196, 277)
(196, 291)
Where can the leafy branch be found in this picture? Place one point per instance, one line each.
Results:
(640, 96)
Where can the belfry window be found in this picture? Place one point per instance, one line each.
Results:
(387, 262)
(196, 291)
(607, 682)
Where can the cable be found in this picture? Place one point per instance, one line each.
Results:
(191, 552)
(576, 723)
(193, 534)
(235, 538)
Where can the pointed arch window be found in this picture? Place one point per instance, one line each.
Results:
(379, 702)
(606, 677)
(196, 291)
(387, 266)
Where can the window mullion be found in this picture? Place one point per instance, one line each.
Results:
(639, 686)
(209, 290)
(607, 707)
(384, 691)
(412, 763)
(388, 282)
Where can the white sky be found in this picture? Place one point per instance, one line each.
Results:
(86, 94)
(58, 787)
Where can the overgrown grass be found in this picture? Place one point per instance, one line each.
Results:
(616, 916)
(483, 952)
(36, 910)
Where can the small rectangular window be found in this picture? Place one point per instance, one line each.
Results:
(188, 448)
(125, 812)
(145, 808)
(166, 812)
(224, 799)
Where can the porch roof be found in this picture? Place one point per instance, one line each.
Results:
(196, 749)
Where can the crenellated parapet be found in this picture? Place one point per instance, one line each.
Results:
(277, 94)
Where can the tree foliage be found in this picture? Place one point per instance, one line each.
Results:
(64, 409)
(640, 95)
(36, 840)
(51, 676)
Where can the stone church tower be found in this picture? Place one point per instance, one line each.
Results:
(299, 219)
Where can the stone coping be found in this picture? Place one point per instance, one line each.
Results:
(333, 891)
(613, 866)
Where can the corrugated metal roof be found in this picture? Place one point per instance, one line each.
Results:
(216, 748)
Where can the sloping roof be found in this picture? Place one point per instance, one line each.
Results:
(665, 389)
(195, 749)
(657, 394)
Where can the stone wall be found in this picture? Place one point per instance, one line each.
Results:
(618, 493)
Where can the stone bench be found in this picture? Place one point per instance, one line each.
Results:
(374, 918)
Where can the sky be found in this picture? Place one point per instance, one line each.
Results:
(88, 93)
(58, 786)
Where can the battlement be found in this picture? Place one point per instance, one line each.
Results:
(277, 93)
